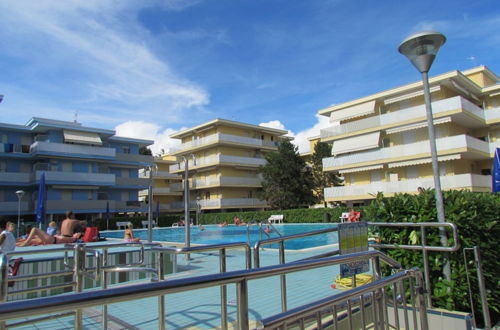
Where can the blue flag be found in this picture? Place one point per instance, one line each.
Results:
(496, 171)
(40, 205)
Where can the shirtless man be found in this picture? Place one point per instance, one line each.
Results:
(70, 225)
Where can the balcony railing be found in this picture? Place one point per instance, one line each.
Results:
(417, 113)
(71, 150)
(135, 182)
(166, 191)
(133, 158)
(11, 207)
(222, 203)
(61, 206)
(14, 148)
(15, 178)
(460, 181)
(492, 115)
(385, 155)
(219, 159)
(76, 178)
(228, 181)
(228, 138)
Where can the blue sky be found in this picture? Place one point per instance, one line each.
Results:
(150, 68)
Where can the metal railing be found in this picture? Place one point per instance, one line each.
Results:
(362, 307)
(423, 244)
(78, 301)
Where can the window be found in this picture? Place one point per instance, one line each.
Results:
(486, 171)
(126, 149)
(262, 137)
(386, 142)
(207, 195)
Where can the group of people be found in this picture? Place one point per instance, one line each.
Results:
(71, 230)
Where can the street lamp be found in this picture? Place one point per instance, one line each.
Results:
(198, 209)
(20, 194)
(421, 49)
(187, 220)
(150, 202)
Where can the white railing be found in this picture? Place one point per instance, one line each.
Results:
(169, 190)
(15, 177)
(219, 137)
(416, 113)
(385, 155)
(236, 181)
(218, 159)
(50, 148)
(492, 115)
(165, 174)
(461, 181)
(76, 178)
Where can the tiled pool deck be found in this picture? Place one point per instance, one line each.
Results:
(200, 309)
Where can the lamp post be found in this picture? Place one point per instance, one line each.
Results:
(20, 194)
(198, 210)
(187, 220)
(421, 49)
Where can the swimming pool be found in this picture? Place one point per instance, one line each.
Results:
(214, 235)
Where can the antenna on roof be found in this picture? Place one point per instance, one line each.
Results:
(76, 117)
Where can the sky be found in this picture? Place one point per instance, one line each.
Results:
(149, 68)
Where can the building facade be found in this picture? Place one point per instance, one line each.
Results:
(223, 159)
(87, 170)
(380, 142)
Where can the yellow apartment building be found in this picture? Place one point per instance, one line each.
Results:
(380, 142)
(223, 160)
(167, 187)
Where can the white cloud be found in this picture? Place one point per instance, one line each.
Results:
(300, 139)
(149, 131)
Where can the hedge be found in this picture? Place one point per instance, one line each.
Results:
(476, 216)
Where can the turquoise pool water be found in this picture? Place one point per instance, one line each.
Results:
(214, 235)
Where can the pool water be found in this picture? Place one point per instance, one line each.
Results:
(214, 235)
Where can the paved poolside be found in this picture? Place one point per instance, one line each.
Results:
(201, 308)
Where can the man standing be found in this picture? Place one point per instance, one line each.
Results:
(70, 225)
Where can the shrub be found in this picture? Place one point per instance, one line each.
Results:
(476, 217)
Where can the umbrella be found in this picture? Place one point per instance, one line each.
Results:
(496, 171)
(40, 206)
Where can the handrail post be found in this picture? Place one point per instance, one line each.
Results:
(420, 293)
(4, 273)
(78, 275)
(161, 298)
(242, 298)
(223, 290)
(284, 307)
(104, 285)
(425, 257)
(482, 288)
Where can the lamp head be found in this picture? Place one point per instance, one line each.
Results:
(421, 48)
(20, 193)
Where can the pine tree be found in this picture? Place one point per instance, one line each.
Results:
(288, 182)
(322, 179)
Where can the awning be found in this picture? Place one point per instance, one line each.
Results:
(361, 169)
(423, 161)
(352, 112)
(417, 125)
(357, 143)
(82, 137)
(410, 95)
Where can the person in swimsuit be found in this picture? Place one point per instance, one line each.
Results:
(129, 234)
(39, 237)
(70, 225)
(7, 239)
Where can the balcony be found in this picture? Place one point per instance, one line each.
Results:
(219, 160)
(222, 203)
(415, 114)
(77, 178)
(448, 145)
(94, 206)
(134, 159)
(228, 181)
(166, 175)
(15, 150)
(40, 148)
(167, 191)
(15, 179)
(472, 182)
(12, 207)
(132, 182)
(240, 141)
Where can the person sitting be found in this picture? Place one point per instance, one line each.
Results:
(70, 225)
(39, 237)
(268, 229)
(238, 222)
(222, 224)
(52, 228)
(353, 215)
(7, 239)
(129, 234)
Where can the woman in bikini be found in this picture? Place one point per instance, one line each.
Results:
(39, 237)
(129, 234)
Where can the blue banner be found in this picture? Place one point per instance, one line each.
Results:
(40, 205)
(496, 171)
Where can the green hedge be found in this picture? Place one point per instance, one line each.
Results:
(477, 218)
(163, 221)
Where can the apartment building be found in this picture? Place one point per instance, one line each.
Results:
(167, 189)
(223, 159)
(86, 169)
(380, 142)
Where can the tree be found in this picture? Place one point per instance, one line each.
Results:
(145, 151)
(288, 182)
(322, 179)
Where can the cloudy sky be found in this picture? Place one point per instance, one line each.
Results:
(152, 67)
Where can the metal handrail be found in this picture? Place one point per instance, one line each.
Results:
(423, 246)
(282, 319)
(78, 301)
